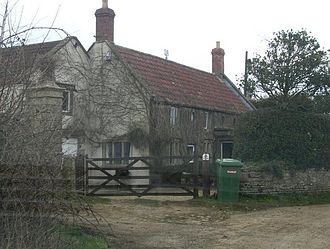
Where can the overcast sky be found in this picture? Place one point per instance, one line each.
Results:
(189, 29)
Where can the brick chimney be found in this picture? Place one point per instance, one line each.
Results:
(218, 59)
(105, 23)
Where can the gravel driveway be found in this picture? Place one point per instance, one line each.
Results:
(146, 223)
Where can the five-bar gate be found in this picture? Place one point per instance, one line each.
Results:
(137, 176)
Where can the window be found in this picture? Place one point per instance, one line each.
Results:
(66, 104)
(192, 116)
(69, 146)
(227, 149)
(206, 126)
(173, 115)
(127, 152)
(174, 148)
(191, 152)
(119, 152)
(207, 147)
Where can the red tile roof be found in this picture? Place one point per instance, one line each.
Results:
(179, 84)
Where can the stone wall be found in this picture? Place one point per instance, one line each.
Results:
(311, 180)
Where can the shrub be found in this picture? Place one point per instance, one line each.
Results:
(301, 138)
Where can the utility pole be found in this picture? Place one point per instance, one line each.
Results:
(245, 75)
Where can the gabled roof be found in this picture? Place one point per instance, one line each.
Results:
(178, 84)
(25, 55)
(17, 63)
(29, 51)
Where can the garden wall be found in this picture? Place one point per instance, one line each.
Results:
(311, 180)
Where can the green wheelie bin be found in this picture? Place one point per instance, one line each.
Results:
(228, 179)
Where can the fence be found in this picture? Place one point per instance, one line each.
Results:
(141, 176)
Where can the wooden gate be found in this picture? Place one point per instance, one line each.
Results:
(138, 176)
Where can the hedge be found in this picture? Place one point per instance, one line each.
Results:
(301, 138)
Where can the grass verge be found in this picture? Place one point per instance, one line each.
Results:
(292, 199)
(80, 238)
(257, 202)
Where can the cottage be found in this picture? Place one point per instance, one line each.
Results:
(118, 102)
(181, 110)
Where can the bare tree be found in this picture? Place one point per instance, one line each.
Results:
(36, 194)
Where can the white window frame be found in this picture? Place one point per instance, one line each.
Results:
(193, 116)
(206, 126)
(173, 115)
(193, 150)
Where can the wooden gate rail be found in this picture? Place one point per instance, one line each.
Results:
(165, 175)
(109, 178)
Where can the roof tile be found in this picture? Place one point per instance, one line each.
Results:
(180, 84)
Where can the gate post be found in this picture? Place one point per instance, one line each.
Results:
(206, 175)
(195, 178)
(85, 175)
(80, 174)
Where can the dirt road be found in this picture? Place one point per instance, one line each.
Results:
(147, 224)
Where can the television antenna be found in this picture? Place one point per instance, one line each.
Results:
(166, 53)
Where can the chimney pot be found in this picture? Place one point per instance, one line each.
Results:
(104, 4)
(217, 44)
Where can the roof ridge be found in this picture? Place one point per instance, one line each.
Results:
(165, 60)
(36, 44)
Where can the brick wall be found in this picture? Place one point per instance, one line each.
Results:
(311, 180)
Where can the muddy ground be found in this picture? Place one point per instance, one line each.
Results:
(176, 223)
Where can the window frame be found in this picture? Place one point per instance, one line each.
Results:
(206, 116)
(66, 107)
(222, 148)
(112, 149)
(193, 146)
(173, 115)
(193, 116)
(68, 89)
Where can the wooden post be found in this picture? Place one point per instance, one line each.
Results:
(206, 175)
(85, 175)
(195, 178)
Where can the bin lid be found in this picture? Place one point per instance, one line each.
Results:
(229, 162)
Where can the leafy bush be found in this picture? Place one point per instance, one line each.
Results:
(300, 138)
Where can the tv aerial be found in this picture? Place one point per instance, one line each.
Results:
(166, 53)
